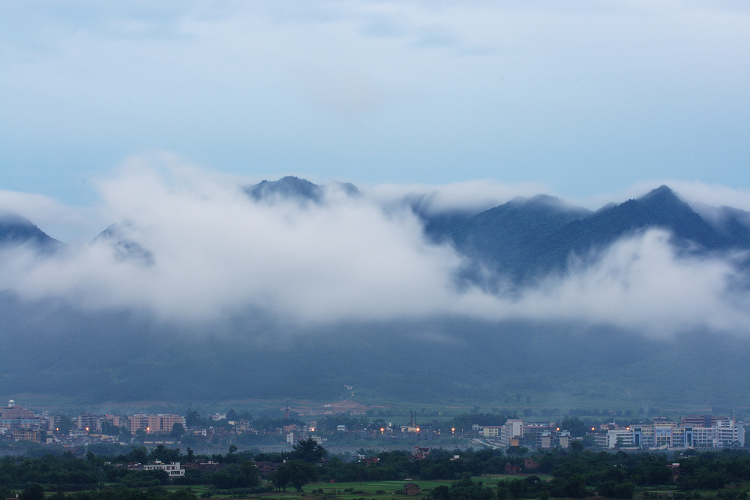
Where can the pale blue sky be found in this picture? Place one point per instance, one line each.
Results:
(583, 97)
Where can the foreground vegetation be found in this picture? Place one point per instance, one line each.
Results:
(472, 475)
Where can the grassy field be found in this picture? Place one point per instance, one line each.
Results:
(353, 490)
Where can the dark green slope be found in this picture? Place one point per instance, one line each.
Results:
(50, 348)
(526, 239)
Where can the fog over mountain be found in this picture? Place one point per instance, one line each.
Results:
(289, 288)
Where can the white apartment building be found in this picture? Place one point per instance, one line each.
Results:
(513, 428)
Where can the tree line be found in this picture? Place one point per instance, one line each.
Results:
(575, 473)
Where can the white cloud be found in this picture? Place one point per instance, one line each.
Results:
(217, 254)
(470, 196)
(640, 284)
(65, 223)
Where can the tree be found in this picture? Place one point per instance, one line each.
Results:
(576, 446)
(517, 487)
(64, 425)
(575, 486)
(620, 442)
(125, 435)
(165, 455)
(138, 455)
(140, 435)
(280, 478)
(503, 492)
(109, 428)
(575, 425)
(193, 418)
(244, 475)
(308, 451)
(33, 492)
(182, 494)
(177, 430)
(296, 472)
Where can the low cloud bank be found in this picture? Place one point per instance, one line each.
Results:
(215, 253)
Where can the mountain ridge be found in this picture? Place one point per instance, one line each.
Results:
(525, 239)
(17, 230)
(127, 354)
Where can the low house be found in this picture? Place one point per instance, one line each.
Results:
(266, 468)
(512, 469)
(411, 489)
(530, 464)
(675, 468)
(173, 469)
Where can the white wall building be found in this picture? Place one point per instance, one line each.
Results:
(173, 469)
(513, 428)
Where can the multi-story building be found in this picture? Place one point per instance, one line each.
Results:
(723, 432)
(491, 431)
(26, 435)
(13, 411)
(161, 423)
(89, 422)
(138, 422)
(553, 439)
(510, 431)
(619, 437)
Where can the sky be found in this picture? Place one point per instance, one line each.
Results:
(151, 115)
(583, 98)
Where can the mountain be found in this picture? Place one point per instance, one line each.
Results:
(125, 247)
(289, 187)
(119, 356)
(17, 230)
(294, 188)
(528, 238)
(90, 356)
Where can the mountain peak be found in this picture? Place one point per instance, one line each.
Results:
(286, 187)
(18, 230)
(661, 194)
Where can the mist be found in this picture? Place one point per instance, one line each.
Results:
(213, 255)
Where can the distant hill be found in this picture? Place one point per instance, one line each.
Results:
(17, 230)
(294, 188)
(51, 346)
(527, 238)
(125, 248)
(286, 187)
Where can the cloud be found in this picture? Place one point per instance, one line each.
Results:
(641, 284)
(63, 222)
(582, 96)
(215, 251)
(217, 254)
(468, 196)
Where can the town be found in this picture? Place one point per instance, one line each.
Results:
(354, 451)
(347, 423)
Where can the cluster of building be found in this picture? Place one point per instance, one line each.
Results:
(698, 431)
(702, 431)
(544, 435)
(22, 424)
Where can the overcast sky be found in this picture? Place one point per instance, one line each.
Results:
(583, 98)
